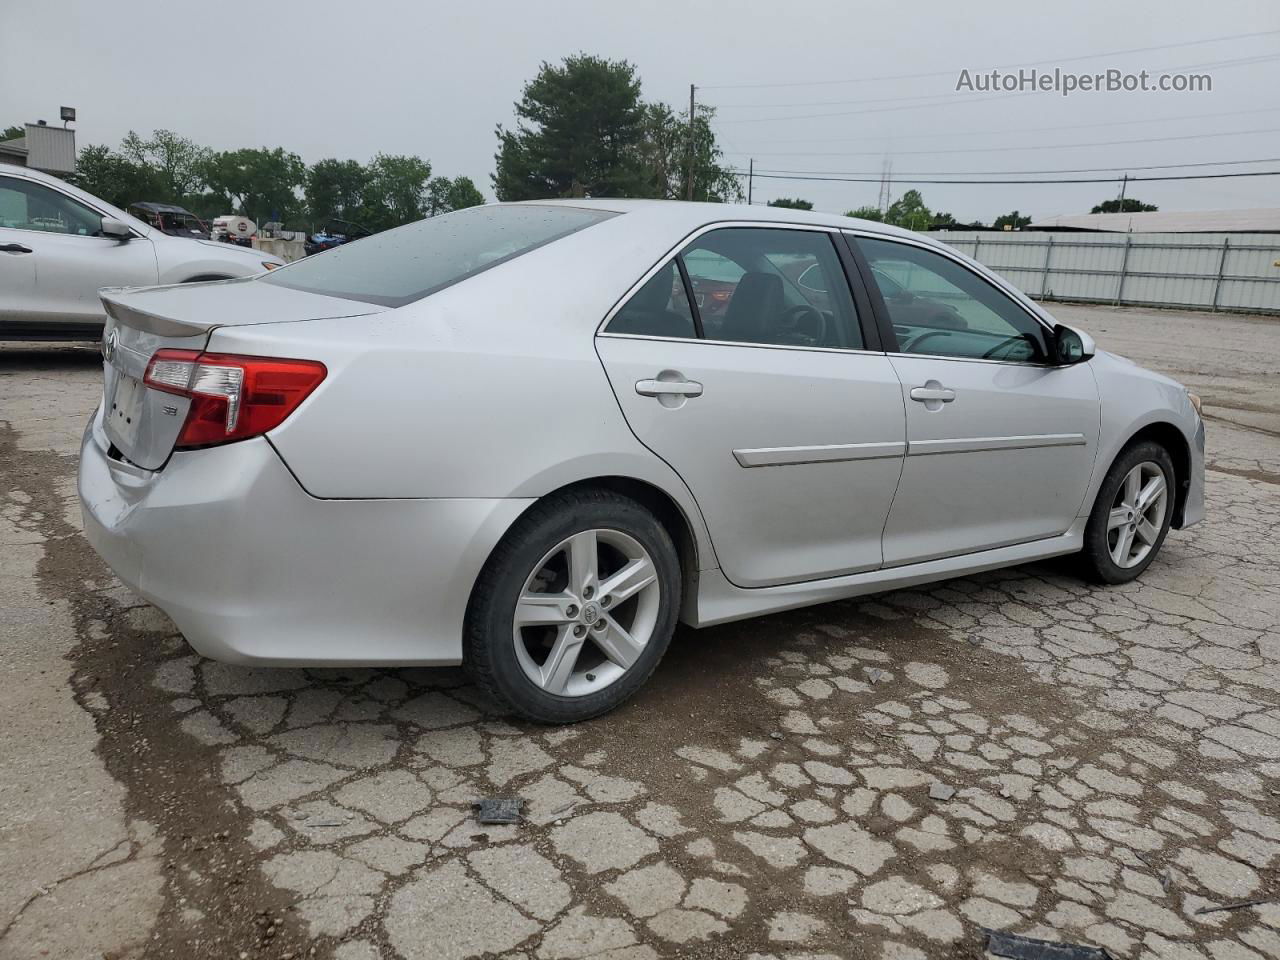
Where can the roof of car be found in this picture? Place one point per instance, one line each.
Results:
(694, 215)
(160, 207)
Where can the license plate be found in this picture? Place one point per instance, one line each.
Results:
(126, 410)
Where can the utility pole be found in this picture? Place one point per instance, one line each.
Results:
(751, 176)
(688, 190)
(1123, 183)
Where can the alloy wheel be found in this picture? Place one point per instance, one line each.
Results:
(586, 612)
(1137, 515)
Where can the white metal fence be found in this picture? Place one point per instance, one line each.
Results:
(1205, 271)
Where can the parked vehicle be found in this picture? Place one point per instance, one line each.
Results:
(234, 228)
(506, 437)
(170, 219)
(60, 245)
(334, 233)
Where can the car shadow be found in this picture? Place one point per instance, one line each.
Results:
(19, 355)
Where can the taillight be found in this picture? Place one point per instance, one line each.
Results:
(232, 397)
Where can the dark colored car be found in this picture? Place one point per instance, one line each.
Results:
(334, 233)
(171, 219)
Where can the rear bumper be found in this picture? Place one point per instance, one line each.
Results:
(253, 569)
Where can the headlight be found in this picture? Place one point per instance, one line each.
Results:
(270, 264)
(1195, 402)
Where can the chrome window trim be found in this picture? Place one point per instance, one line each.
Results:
(1007, 363)
(602, 327)
(844, 351)
(1010, 291)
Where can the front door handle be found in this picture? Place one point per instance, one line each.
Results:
(14, 248)
(668, 388)
(933, 391)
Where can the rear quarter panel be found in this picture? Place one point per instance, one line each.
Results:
(490, 388)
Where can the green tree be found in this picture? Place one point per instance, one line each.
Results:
(909, 211)
(796, 204)
(1014, 221)
(1130, 205)
(866, 213)
(260, 183)
(336, 188)
(12, 133)
(445, 195)
(664, 155)
(108, 175)
(178, 163)
(578, 130)
(396, 192)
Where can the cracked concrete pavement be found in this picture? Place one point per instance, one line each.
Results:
(877, 778)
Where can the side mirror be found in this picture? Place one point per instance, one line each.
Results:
(111, 227)
(1071, 345)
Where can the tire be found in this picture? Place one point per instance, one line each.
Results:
(573, 652)
(1103, 538)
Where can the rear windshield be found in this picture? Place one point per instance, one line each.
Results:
(411, 262)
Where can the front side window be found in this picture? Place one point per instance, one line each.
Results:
(414, 261)
(32, 206)
(770, 286)
(940, 308)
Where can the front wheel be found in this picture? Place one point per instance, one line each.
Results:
(575, 607)
(1131, 516)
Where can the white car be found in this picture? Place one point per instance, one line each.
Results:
(518, 437)
(60, 245)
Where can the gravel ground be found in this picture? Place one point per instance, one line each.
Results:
(878, 778)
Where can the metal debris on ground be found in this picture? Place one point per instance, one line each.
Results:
(1012, 945)
(1234, 906)
(941, 791)
(498, 809)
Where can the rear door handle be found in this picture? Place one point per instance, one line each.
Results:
(668, 388)
(14, 248)
(936, 393)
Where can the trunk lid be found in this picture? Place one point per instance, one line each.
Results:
(143, 424)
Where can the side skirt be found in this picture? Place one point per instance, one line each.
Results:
(719, 601)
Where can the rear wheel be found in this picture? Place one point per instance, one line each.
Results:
(1131, 516)
(575, 607)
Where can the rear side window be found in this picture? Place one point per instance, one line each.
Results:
(759, 285)
(414, 261)
(658, 309)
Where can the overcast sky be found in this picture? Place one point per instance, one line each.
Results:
(337, 78)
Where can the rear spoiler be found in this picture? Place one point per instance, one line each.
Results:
(114, 299)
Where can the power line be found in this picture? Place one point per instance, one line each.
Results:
(1003, 149)
(896, 179)
(946, 100)
(1029, 63)
(1002, 173)
(1024, 130)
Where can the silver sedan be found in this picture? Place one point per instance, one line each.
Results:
(530, 438)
